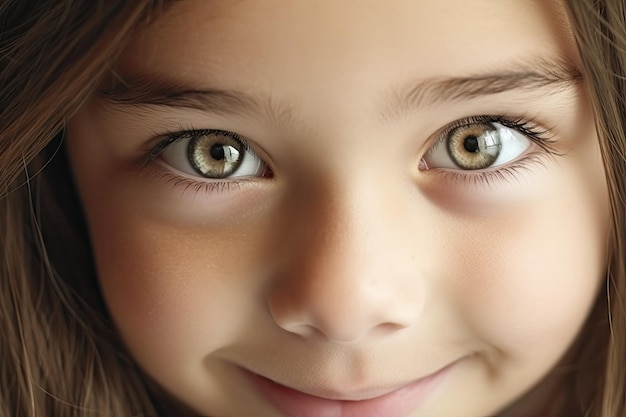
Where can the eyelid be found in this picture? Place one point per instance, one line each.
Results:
(164, 140)
(154, 153)
(542, 140)
(173, 137)
(538, 135)
(525, 126)
(502, 173)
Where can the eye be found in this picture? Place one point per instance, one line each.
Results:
(476, 145)
(214, 154)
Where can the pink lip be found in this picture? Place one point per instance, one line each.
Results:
(396, 403)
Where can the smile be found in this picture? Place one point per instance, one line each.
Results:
(394, 402)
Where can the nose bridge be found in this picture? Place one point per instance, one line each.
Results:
(348, 275)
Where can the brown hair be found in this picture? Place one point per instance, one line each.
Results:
(59, 353)
(600, 30)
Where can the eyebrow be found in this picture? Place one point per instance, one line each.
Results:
(539, 76)
(141, 89)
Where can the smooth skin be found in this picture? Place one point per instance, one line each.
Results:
(346, 262)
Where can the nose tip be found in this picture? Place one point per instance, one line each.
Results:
(343, 311)
(347, 269)
(311, 328)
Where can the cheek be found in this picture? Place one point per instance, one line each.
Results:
(186, 292)
(530, 282)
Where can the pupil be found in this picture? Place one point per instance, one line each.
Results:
(217, 152)
(471, 144)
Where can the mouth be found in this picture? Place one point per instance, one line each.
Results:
(374, 402)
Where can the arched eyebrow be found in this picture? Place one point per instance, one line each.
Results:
(140, 89)
(145, 89)
(537, 77)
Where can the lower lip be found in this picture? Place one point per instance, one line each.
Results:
(399, 403)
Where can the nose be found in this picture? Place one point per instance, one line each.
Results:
(349, 274)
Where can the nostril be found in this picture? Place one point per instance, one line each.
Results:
(303, 330)
(306, 312)
(390, 327)
(341, 298)
(386, 329)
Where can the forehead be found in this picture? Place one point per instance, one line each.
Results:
(446, 36)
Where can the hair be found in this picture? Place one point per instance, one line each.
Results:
(59, 352)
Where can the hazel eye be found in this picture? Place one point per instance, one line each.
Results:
(214, 154)
(476, 146)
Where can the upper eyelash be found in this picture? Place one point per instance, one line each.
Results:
(541, 137)
(173, 137)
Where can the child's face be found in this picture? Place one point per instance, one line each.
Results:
(388, 222)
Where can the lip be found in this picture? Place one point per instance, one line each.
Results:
(396, 402)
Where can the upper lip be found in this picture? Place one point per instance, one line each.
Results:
(361, 394)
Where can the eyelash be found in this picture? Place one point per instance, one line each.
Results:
(541, 137)
(181, 134)
(188, 184)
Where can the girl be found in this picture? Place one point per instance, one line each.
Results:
(299, 209)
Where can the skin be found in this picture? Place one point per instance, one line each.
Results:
(350, 268)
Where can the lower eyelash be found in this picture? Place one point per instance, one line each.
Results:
(502, 174)
(542, 138)
(187, 185)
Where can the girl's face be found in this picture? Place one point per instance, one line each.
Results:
(346, 208)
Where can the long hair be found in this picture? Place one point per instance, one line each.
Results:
(59, 353)
(600, 30)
